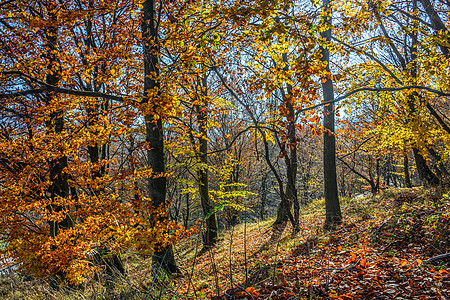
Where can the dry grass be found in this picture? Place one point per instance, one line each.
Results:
(252, 255)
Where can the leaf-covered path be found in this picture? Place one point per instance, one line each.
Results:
(379, 252)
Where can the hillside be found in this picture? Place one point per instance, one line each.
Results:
(381, 251)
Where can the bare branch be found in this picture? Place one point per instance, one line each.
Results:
(411, 16)
(52, 88)
(369, 89)
(372, 58)
(6, 2)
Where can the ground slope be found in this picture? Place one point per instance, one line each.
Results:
(381, 251)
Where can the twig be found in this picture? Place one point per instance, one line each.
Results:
(432, 260)
(389, 246)
(376, 231)
(230, 258)
(192, 273)
(245, 291)
(157, 273)
(349, 267)
(213, 262)
(245, 245)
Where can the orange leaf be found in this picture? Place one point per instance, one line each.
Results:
(363, 262)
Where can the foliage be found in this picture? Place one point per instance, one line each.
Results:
(234, 102)
(378, 252)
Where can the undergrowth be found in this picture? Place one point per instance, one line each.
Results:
(379, 252)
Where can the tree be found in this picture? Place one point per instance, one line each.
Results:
(55, 126)
(157, 186)
(332, 207)
(201, 108)
(401, 41)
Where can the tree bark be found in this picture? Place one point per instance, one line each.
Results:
(290, 158)
(58, 177)
(436, 22)
(112, 261)
(156, 185)
(263, 195)
(291, 188)
(439, 166)
(425, 174)
(210, 236)
(406, 169)
(332, 207)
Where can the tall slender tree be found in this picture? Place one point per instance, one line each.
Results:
(210, 237)
(332, 207)
(154, 135)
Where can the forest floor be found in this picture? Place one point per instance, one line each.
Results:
(381, 251)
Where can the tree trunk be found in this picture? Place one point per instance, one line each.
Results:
(438, 165)
(263, 195)
(156, 185)
(284, 210)
(210, 236)
(406, 169)
(291, 188)
(425, 174)
(188, 212)
(58, 177)
(437, 24)
(112, 261)
(332, 207)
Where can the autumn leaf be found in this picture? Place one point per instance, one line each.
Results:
(363, 262)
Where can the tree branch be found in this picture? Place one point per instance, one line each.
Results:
(411, 16)
(432, 260)
(372, 58)
(369, 89)
(52, 88)
(265, 142)
(438, 118)
(354, 171)
(390, 42)
(6, 2)
(357, 148)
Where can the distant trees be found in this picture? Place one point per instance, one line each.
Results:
(405, 120)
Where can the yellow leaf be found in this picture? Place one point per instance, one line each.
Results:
(333, 295)
(403, 263)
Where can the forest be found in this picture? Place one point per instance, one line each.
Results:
(197, 149)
